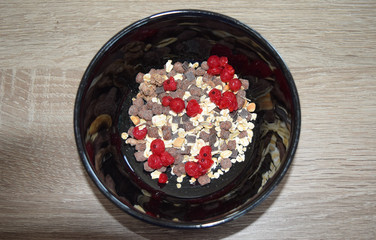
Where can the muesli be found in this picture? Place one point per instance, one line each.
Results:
(191, 121)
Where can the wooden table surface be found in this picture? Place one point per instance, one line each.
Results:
(329, 191)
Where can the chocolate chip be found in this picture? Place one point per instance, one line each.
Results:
(234, 154)
(190, 138)
(185, 66)
(176, 119)
(185, 118)
(190, 76)
(159, 90)
(243, 113)
(212, 139)
(186, 151)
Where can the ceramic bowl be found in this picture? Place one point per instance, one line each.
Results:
(104, 97)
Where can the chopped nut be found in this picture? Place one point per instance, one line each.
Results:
(251, 107)
(124, 135)
(135, 120)
(178, 142)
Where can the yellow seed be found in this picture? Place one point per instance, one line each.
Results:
(135, 120)
(251, 107)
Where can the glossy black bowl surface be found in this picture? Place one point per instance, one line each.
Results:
(108, 86)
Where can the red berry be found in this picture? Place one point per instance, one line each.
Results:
(215, 95)
(169, 84)
(229, 69)
(215, 71)
(193, 108)
(226, 76)
(223, 61)
(205, 152)
(235, 84)
(166, 100)
(205, 163)
(192, 169)
(167, 159)
(162, 178)
(224, 103)
(177, 105)
(157, 146)
(213, 61)
(140, 133)
(231, 97)
(154, 161)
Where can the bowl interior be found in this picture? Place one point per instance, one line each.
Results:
(108, 86)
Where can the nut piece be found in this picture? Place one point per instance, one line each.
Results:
(102, 121)
(251, 107)
(178, 142)
(135, 120)
(226, 87)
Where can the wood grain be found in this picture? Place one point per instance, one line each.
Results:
(330, 190)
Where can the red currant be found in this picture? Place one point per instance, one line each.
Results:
(206, 149)
(232, 101)
(166, 100)
(205, 163)
(226, 75)
(235, 84)
(154, 161)
(177, 105)
(192, 169)
(162, 178)
(167, 159)
(215, 95)
(140, 132)
(215, 71)
(169, 84)
(213, 61)
(157, 146)
(223, 61)
(224, 103)
(229, 69)
(193, 108)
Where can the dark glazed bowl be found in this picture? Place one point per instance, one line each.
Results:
(108, 85)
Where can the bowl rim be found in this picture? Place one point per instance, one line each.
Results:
(184, 225)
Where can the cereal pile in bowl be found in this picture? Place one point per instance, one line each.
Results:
(191, 120)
